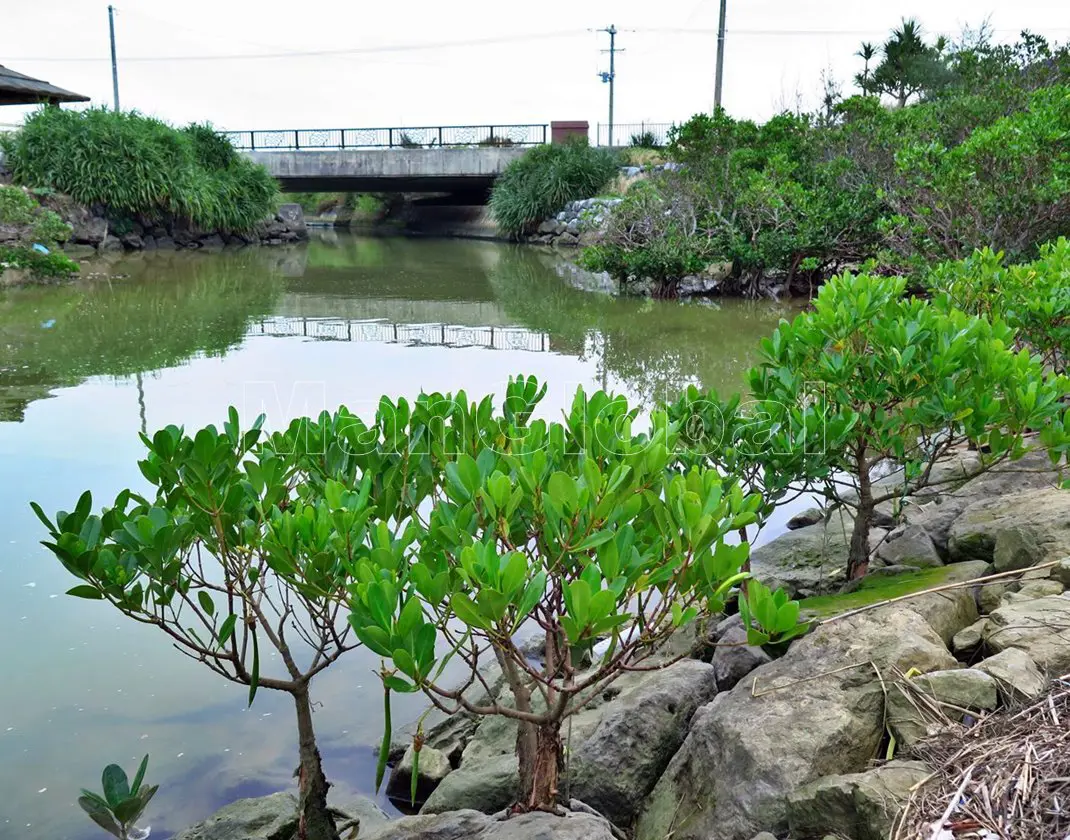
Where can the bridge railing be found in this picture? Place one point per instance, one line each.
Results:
(624, 133)
(420, 137)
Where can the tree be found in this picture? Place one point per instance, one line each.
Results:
(867, 52)
(909, 66)
(878, 376)
(580, 530)
(236, 550)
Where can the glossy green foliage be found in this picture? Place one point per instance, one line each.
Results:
(1032, 297)
(122, 803)
(135, 164)
(870, 374)
(547, 178)
(770, 617)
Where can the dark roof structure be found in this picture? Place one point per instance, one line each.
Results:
(17, 89)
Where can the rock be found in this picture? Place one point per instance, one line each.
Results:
(165, 242)
(1016, 674)
(274, 817)
(810, 516)
(619, 745)
(110, 243)
(212, 241)
(1030, 528)
(567, 240)
(806, 561)
(1016, 548)
(434, 767)
(148, 242)
(763, 835)
(1040, 588)
(733, 658)
(952, 610)
(547, 227)
(693, 285)
(862, 806)
(1061, 572)
(787, 738)
(87, 229)
(990, 596)
(953, 690)
(968, 640)
(263, 818)
(909, 545)
(1039, 627)
(293, 217)
(473, 825)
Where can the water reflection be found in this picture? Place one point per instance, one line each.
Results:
(176, 338)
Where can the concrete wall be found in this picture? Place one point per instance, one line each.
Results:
(387, 170)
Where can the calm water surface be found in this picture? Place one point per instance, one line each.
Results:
(176, 338)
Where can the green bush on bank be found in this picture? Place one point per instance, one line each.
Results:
(20, 210)
(547, 178)
(981, 159)
(137, 165)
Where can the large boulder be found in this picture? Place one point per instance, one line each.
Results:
(862, 806)
(619, 745)
(1017, 675)
(909, 545)
(434, 766)
(274, 817)
(949, 691)
(1039, 627)
(806, 561)
(1028, 528)
(817, 711)
(474, 825)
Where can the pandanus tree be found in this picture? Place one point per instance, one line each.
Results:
(576, 531)
(236, 553)
(871, 375)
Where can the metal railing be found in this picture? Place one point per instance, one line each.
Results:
(624, 132)
(422, 137)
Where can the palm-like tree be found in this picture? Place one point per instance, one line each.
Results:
(867, 52)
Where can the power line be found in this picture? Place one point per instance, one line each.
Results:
(478, 42)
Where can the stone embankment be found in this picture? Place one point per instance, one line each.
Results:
(92, 231)
(735, 742)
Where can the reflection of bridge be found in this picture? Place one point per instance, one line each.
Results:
(385, 332)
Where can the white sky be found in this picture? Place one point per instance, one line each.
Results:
(776, 51)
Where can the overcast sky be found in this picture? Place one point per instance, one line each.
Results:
(417, 62)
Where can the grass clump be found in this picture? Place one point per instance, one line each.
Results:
(137, 165)
(51, 266)
(546, 179)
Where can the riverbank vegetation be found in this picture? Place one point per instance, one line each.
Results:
(545, 179)
(970, 153)
(29, 235)
(137, 166)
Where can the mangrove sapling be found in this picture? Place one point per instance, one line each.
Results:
(235, 554)
(882, 376)
(122, 804)
(582, 530)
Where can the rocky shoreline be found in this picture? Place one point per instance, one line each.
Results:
(734, 742)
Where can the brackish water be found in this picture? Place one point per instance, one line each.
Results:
(161, 338)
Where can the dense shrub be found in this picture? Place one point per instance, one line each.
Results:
(54, 265)
(18, 207)
(1007, 186)
(545, 179)
(1033, 298)
(137, 165)
(980, 160)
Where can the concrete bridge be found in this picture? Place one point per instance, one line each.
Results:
(467, 171)
(460, 160)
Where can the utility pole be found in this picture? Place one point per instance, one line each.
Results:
(611, 76)
(114, 64)
(720, 57)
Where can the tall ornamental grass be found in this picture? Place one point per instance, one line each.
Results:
(137, 165)
(547, 178)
